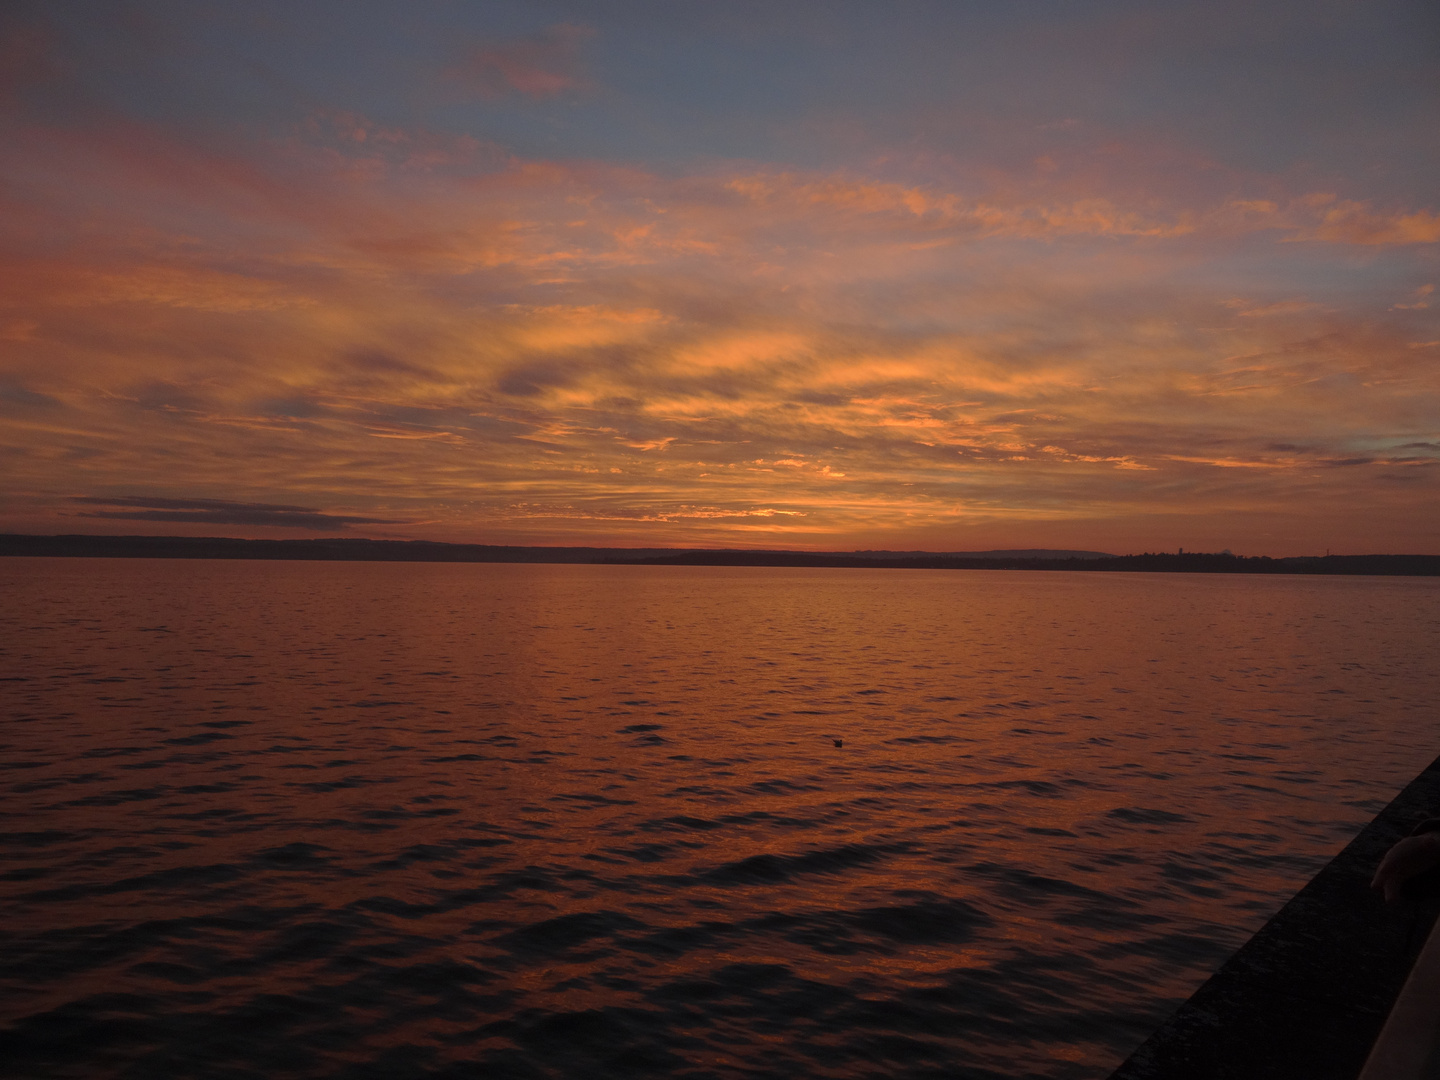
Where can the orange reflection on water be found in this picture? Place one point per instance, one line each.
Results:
(515, 813)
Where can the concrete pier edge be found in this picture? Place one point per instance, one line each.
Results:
(1309, 993)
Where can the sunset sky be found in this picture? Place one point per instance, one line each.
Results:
(1122, 276)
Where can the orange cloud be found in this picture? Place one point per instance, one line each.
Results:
(1420, 302)
(473, 347)
(1352, 222)
(947, 212)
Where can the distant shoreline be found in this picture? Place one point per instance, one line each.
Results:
(340, 549)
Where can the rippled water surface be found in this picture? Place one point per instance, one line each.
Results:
(408, 820)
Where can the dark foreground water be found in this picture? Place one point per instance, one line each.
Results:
(396, 821)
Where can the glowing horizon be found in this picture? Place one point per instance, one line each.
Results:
(971, 277)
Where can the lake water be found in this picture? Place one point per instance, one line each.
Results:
(409, 820)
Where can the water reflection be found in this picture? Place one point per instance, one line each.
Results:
(380, 819)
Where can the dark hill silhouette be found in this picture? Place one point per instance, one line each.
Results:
(363, 550)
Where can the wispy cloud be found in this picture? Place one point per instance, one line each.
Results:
(1348, 221)
(222, 512)
(445, 338)
(542, 65)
